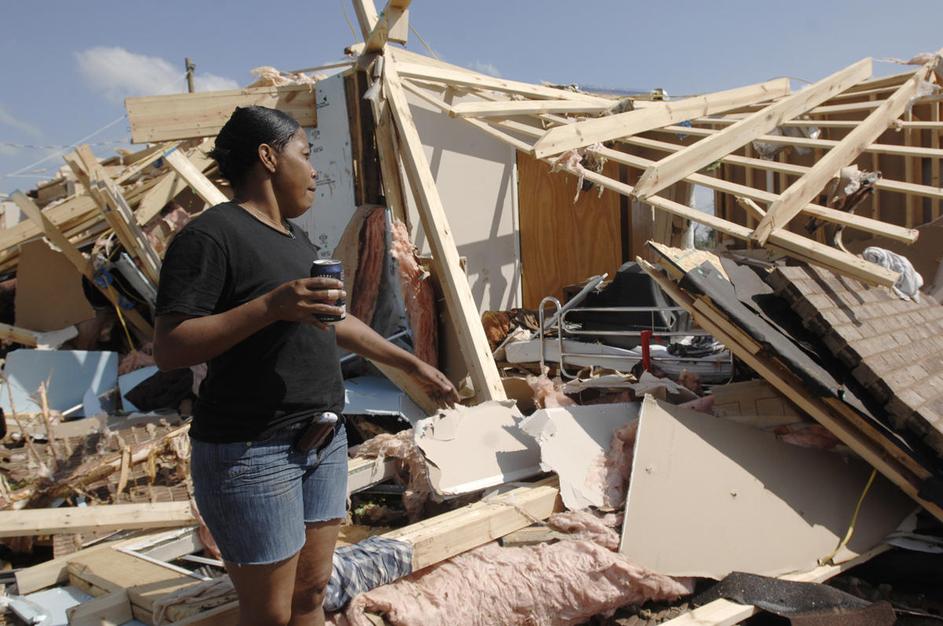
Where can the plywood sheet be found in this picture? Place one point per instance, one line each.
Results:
(708, 497)
(473, 448)
(563, 242)
(48, 290)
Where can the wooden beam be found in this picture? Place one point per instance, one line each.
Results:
(812, 182)
(794, 245)
(525, 107)
(392, 25)
(367, 17)
(883, 184)
(112, 609)
(481, 81)
(602, 129)
(108, 517)
(673, 168)
(458, 296)
(79, 260)
(734, 118)
(190, 115)
(723, 612)
(114, 207)
(814, 144)
(200, 184)
(22, 336)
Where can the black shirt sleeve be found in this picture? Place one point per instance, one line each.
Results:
(193, 275)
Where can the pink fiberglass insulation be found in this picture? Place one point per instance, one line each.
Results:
(136, 359)
(363, 300)
(598, 528)
(412, 471)
(612, 469)
(807, 435)
(556, 584)
(418, 296)
(547, 394)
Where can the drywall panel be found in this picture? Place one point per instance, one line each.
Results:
(68, 376)
(708, 497)
(477, 181)
(331, 157)
(49, 292)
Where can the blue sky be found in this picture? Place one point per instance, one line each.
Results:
(66, 66)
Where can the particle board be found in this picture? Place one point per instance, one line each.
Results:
(49, 293)
(563, 242)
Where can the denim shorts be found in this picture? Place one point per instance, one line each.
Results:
(257, 496)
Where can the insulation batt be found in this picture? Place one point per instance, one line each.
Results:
(413, 470)
(418, 296)
(369, 266)
(613, 468)
(545, 585)
(547, 393)
(584, 525)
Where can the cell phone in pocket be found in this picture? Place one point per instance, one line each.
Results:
(317, 434)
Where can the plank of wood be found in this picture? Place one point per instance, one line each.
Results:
(114, 207)
(467, 78)
(31, 522)
(367, 17)
(724, 612)
(591, 131)
(22, 336)
(883, 184)
(202, 114)
(458, 296)
(79, 260)
(446, 535)
(691, 159)
(525, 107)
(112, 609)
(812, 182)
(392, 25)
(733, 118)
(202, 185)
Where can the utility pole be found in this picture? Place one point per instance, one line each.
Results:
(190, 68)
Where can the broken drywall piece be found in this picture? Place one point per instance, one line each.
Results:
(49, 294)
(68, 374)
(573, 442)
(375, 395)
(708, 497)
(472, 448)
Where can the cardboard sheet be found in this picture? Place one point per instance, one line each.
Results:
(473, 448)
(708, 497)
(48, 290)
(70, 373)
(573, 442)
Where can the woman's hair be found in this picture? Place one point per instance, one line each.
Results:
(237, 145)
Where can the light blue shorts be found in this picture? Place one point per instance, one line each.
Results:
(257, 496)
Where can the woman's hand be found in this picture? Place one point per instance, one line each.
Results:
(300, 300)
(439, 388)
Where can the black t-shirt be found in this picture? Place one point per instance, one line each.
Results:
(281, 375)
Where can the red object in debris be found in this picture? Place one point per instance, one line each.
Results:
(646, 337)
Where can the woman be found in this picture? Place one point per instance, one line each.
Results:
(234, 294)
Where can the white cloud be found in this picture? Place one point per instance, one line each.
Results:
(119, 73)
(8, 119)
(485, 68)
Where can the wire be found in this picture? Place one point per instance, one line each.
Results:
(347, 19)
(30, 146)
(413, 30)
(851, 526)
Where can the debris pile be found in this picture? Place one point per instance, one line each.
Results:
(766, 414)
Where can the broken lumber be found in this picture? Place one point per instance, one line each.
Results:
(108, 517)
(202, 185)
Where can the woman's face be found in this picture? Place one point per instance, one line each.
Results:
(294, 178)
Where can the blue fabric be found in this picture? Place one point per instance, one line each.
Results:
(364, 566)
(255, 496)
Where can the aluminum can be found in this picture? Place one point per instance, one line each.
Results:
(330, 268)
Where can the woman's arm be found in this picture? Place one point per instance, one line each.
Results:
(353, 335)
(183, 340)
